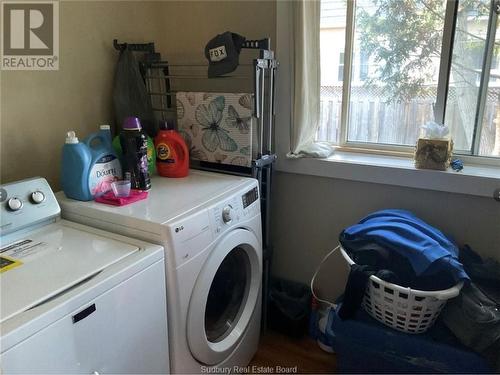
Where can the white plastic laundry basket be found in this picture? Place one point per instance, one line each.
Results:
(405, 309)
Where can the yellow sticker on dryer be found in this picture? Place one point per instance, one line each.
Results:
(7, 263)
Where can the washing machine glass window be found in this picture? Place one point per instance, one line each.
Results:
(227, 295)
(237, 251)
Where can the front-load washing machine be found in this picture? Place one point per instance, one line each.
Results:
(210, 227)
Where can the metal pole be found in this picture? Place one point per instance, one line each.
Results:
(346, 86)
(262, 103)
(256, 90)
(450, 19)
(485, 76)
(271, 109)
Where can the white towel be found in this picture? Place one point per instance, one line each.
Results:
(217, 127)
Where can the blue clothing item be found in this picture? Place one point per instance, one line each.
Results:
(364, 346)
(428, 251)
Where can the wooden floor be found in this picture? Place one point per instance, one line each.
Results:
(299, 355)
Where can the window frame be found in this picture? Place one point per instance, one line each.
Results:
(441, 93)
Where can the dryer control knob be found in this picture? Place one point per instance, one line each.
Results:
(15, 204)
(227, 214)
(37, 197)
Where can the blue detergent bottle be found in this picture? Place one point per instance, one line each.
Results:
(105, 131)
(76, 160)
(89, 167)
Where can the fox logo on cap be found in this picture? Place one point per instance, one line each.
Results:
(218, 53)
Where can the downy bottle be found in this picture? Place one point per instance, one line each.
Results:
(88, 167)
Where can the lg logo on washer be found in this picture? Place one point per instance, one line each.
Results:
(178, 229)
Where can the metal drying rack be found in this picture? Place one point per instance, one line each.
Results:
(161, 79)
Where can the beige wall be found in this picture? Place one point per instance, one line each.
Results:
(310, 212)
(37, 108)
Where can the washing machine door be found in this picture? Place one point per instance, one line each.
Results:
(224, 297)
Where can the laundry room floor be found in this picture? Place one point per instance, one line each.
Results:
(276, 349)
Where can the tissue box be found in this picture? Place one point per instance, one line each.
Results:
(433, 153)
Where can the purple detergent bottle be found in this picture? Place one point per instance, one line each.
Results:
(134, 145)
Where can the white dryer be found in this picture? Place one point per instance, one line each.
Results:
(210, 227)
(75, 299)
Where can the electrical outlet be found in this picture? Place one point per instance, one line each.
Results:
(496, 195)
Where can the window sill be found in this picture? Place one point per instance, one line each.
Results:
(479, 180)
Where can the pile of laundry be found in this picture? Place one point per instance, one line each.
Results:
(402, 249)
(399, 248)
(474, 316)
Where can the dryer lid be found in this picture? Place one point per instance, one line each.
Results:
(40, 264)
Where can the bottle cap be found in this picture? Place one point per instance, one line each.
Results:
(71, 137)
(104, 127)
(167, 125)
(132, 123)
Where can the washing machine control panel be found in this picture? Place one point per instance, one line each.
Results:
(249, 197)
(235, 209)
(24, 203)
(193, 234)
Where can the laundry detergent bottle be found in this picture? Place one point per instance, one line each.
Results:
(105, 167)
(172, 154)
(89, 167)
(105, 131)
(151, 153)
(76, 160)
(134, 145)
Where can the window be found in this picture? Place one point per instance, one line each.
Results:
(473, 97)
(341, 67)
(363, 66)
(410, 62)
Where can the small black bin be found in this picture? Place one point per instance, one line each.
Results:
(289, 307)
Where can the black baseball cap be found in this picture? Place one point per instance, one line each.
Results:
(223, 52)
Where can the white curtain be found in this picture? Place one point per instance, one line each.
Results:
(305, 18)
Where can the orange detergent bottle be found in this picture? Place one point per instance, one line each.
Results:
(172, 154)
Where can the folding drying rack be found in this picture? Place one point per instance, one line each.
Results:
(163, 80)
